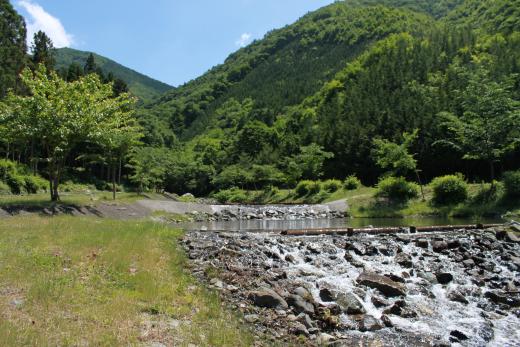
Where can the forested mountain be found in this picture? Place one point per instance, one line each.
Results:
(333, 81)
(140, 85)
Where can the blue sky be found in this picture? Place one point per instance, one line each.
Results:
(170, 40)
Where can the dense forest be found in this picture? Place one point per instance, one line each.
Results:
(310, 100)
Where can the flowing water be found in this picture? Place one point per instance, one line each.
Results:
(267, 225)
(437, 315)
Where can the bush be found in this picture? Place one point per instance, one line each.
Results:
(449, 190)
(4, 188)
(486, 193)
(16, 183)
(511, 180)
(397, 189)
(332, 186)
(7, 168)
(72, 187)
(35, 184)
(233, 195)
(352, 183)
(307, 187)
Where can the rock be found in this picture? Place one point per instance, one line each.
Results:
(404, 259)
(439, 246)
(383, 284)
(503, 298)
(299, 329)
(512, 236)
(305, 320)
(379, 301)
(216, 283)
(369, 323)
(251, 318)
(299, 304)
(457, 336)
(324, 339)
(267, 298)
(399, 308)
(304, 293)
(289, 258)
(468, 263)
(349, 303)
(326, 295)
(422, 243)
(386, 321)
(457, 296)
(444, 277)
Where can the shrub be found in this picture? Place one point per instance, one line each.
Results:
(72, 187)
(233, 195)
(397, 189)
(449, 189)
(511, 180)
(351, 183)
(16, 183)
(7, 168)
(35, 184)
(307, 187)
(486, 193)
(4, 188)
(332, 186)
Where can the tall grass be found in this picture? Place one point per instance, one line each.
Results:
(79, 281)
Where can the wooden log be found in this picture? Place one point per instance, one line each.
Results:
(384, 230)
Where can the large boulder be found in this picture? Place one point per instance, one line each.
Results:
(404, 260)
(299, 304)
(267, 298)
(444, 277)
(349, 303)
(383, 284)
(369, 323)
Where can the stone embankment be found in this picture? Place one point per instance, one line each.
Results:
(425, 289)
(207, 212)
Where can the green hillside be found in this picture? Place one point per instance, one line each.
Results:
(140, 85)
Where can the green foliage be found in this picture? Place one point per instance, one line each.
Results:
(35, 184)
(233, 195)
(13, 46)
(4, 188)
(16, 182)
(307, 187)
(59, 115)
(511, 180)
(74, 187)
(42, 51)
(332, 186)
(395, 157)
(351, 183)
(397, 189)
(487, 127)
(149, 166)
(139, 85)
(449, 190)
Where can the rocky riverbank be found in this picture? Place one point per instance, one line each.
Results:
(433, 289)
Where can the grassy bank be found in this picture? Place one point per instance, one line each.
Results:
(363, 203)
(72, 281)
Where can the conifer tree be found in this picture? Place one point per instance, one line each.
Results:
(42, 51)
(12, 46)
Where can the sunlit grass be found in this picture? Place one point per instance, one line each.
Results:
(78, 281)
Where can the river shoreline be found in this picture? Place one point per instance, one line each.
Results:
(429, 289)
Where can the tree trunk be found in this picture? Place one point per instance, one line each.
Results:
(114, 181)
(420, 184)
(119, 173)
(492, 172)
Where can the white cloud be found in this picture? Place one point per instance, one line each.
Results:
(42, 20)
(244, 39)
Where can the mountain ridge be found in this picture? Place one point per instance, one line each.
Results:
(139, 84)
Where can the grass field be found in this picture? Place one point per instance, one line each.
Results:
(69, 281)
